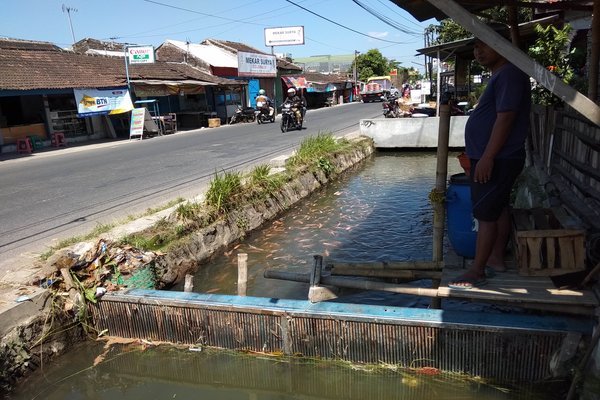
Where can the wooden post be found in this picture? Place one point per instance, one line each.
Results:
(439, 208)
(316, 292)
(188, 286)
(242, 274)
(595, 53)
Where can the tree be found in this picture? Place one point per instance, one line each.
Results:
(450, 31)
(551, 49)
(373, 63)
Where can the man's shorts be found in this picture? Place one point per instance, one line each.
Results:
(490, 198)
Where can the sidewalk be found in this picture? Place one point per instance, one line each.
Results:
(7, 155)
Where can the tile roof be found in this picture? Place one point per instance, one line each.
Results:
(31, 69)
(20, 44)
(234, 47)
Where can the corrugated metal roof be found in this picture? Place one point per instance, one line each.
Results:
(213, 55)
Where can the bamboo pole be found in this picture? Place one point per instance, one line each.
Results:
(352, 283)
(439, 208)
(387, 265)
(394, 273)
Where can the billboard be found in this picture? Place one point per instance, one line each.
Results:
(92, 102)
(140, 55)
(257, 65)
(284, 36)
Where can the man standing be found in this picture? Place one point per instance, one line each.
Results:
(495, 143)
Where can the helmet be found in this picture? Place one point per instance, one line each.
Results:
(291, 91)
(262, 92)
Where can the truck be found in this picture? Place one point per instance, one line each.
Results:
(376, 88)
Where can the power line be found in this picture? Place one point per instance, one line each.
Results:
(343, 26)
(400, 15)
(199, 12)
(386, 20)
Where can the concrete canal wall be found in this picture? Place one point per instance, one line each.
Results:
(411, 132)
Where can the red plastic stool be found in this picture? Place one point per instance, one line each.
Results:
(24, 146)
(58, 139)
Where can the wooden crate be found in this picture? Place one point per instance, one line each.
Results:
(214, 122)
(547, 242)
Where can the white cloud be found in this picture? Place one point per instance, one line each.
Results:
(379, 35)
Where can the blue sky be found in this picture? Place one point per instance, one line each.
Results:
(154, 21)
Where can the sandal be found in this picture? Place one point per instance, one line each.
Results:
(464, 283)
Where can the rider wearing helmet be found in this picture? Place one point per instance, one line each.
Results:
(297, 103)
(263, 101)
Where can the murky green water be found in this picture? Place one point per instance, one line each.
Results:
(135, 372)
(379, 213)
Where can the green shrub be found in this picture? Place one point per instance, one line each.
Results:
(222, 191)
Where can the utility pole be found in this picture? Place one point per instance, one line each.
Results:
(68, 10)
(356, 53)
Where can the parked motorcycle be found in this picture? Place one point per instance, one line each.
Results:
(264, 113)
(243, 114)
(288, 117)
(390, 107)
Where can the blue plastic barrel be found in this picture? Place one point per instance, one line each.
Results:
(462, 227)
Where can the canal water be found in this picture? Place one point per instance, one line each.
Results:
(380, 212)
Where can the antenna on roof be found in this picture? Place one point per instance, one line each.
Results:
(68, 10)
(187, 49)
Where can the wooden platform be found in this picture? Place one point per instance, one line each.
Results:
(535, 292)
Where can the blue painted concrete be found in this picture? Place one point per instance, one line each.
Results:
(378, 313)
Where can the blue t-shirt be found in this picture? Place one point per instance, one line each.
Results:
(508, 90)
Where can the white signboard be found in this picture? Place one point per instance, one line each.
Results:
(426, 87)
(140, 55)
(253, 64)
(97, 102)
(284, 36)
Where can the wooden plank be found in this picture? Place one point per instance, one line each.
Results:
(579, 252)
(551, 253)
(508, 287)
(540, 73)
(534, 247)
(565, 219)
(550, 233)
(567, 259)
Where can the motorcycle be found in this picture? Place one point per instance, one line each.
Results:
(288, 117)
(390, 108)
(264, 113)
(243, 114)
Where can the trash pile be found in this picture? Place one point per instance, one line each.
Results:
(93, 269)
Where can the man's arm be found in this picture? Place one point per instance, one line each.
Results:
(500, 132)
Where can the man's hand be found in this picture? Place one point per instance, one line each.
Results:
(483, 170)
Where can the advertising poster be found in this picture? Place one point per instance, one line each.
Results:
(91, 102)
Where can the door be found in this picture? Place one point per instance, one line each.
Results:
(253, 88)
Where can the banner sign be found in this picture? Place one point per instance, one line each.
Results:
(284, 36)
(140, 55)
(92, 102)
(253, 64)
(137, 122)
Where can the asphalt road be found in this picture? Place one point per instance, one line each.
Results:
(59, 194)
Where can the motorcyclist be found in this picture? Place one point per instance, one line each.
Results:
(263, 102)
(296, 102)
